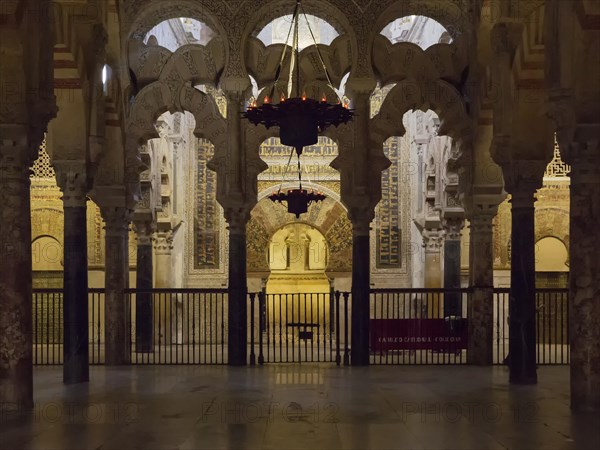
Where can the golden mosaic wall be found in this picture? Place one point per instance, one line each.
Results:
(47, 228)
(551, 220)
(329, 217)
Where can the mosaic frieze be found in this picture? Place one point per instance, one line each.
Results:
(272, 148)
(257, 245)
(206, 218)
(339, 240)
(388, 215)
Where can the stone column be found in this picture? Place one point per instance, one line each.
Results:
(584, 277)
(432, 240)
(361, 287)
(524, 178)
(116, 308)
(237, 290)
(360, 164)
(163, 245)
(452, 300)
(143, 302)
(73, 182)
(16, 375)
(165, 328)
(481, 281)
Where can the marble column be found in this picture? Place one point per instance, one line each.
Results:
(237, 290)
(116, 309)
(584, 277)
(165, 328)
(432, 240)
(75, 287)
(16, 375)
(452, 300)
(521, 327)
(163, 246)
(481, 280)
(361, 287)
(144, 275)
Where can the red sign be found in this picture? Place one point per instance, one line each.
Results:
(418, 334)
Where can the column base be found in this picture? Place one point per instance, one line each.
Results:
(523, 380)
(76, 370)
(481, 324)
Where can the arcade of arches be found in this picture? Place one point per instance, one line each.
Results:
(473, 161)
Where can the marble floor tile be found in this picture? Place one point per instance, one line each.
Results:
(307, 406)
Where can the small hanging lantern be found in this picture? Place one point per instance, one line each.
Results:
(297, 200)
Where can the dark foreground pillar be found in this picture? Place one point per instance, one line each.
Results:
(116, 281)
(584, 278)
(361, 285)
(452, 300)
(16, 374)
(237, 293)
(143, 299)
(521, 346)
(481, 279)
(75, 300)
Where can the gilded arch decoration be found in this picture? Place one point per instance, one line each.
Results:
(329, 217)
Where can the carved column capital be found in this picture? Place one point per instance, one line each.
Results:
(432, 240)
(144, 230)
(71, 177)
(116, 219)
(361, 219)
(481, 223)
(453, 228)
(163, 242)
(237, 219)
(523, 177)
(483, 205)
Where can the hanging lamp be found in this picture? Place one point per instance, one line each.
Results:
(298, 200)
(300, 119)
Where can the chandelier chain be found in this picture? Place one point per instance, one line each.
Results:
(287, 166)
(329, 82)
(281, 61)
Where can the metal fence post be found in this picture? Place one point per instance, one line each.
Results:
(252, 355)
(261, 307)
(346, 350)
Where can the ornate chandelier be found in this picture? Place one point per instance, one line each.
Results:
(298, 200)
(300, 119)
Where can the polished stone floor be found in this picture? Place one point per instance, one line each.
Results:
(300, 407)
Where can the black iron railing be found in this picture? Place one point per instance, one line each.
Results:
(407, 326)
(184, 326)
(47, 321)
(286, 328)
(419, 326)
(179, 326)
(552, 325)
